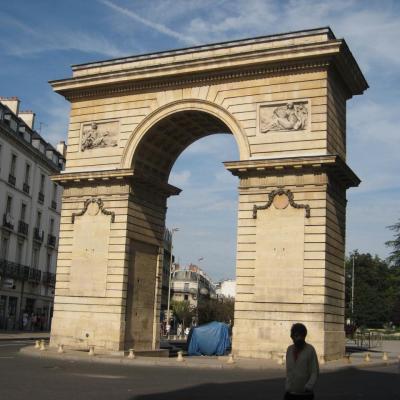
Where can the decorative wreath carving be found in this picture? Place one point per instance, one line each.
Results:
(279, 192)
(100, 204)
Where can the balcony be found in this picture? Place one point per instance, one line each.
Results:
(41, 197)
(11, 179)
(51, 240)
(13, 271)
(49, 279)
(7, 221)
(34, 275)
(23, 228)
(54, 205)
(38, 235)
(26, 188)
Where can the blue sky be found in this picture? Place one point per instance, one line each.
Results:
(40, 39)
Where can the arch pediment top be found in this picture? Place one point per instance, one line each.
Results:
(231, 60)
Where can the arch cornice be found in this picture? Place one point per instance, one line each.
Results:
(185, 105)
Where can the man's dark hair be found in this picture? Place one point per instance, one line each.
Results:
(299, 329)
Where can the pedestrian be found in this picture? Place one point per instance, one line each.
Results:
(302, 367)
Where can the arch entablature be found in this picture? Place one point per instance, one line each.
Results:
(185, 105)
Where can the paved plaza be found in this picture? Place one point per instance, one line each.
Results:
(43, 378)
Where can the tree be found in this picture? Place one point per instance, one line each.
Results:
(216, 310)
(394, 257)
(376, 291)
(183, 311)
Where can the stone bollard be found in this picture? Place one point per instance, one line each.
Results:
(131, 354)
(60, 349)
(367, 358)
(385, 356)
(281, 359)
(42, 345)
(180, 356)
(348, 358)
(322, 360)
(37, 344)
(91, 350)
(230, 359)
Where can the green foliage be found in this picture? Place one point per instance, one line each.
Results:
(216, 310)
(183, 311)
(376, 291)
(394, 257)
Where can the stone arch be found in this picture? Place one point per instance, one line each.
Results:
(185, 105)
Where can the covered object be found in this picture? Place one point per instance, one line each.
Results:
(209, 340)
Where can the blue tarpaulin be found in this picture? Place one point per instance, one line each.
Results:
(211, 339)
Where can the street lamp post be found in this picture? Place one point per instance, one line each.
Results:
(170, 274)
(352, 290)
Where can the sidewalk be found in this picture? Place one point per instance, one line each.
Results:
(23, 335)
(356, 360)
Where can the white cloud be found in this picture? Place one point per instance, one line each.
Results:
(27, 41)
(179, 178)
(151, 24)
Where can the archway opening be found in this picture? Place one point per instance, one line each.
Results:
(154, 158)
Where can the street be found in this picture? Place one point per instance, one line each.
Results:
(23, 377)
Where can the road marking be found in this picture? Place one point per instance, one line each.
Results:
(99, 376)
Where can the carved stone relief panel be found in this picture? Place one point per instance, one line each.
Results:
(99, 134)
(279, 253)
(89, 255)
(288, 116)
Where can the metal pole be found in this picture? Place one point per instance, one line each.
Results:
(170, 274)
(352, 290)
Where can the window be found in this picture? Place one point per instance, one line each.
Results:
(186, 287)
(42, 182)
(13, 164)
(4, 247)
(27, 173)
(9, 205)
(38, 219)
(23, 212)
(186, 297)
(48, 262)
(54, 192)
(18, 255)
(35, 257)
(51, 226)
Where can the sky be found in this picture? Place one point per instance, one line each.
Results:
(40, 39)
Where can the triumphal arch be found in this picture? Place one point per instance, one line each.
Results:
(283, 98)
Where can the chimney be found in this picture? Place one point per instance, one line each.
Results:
(12, 103)
(28, 117)
(62, 148)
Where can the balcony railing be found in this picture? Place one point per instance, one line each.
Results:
(34, 275)
(41, 197)
(14, 271)
(54, 205)
(51, 240)
(38, 235)
(7, 221)
(49, 279)
(25, 187)
(23, 228)
(11, 179)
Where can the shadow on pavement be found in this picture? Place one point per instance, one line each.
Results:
(350, 384)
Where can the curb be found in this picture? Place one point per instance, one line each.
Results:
(143, 362)
(8, 339)
(30, 351)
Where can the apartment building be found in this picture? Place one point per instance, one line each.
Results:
(30, 216)
(191, 284)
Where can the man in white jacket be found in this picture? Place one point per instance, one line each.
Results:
(302, 367)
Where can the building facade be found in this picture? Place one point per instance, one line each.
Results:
(30, 217)
(191, 284)
(226, 289)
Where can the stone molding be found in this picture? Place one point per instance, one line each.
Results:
(100, 204)
(279, 192)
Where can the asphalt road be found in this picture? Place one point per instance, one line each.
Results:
(23, 377)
